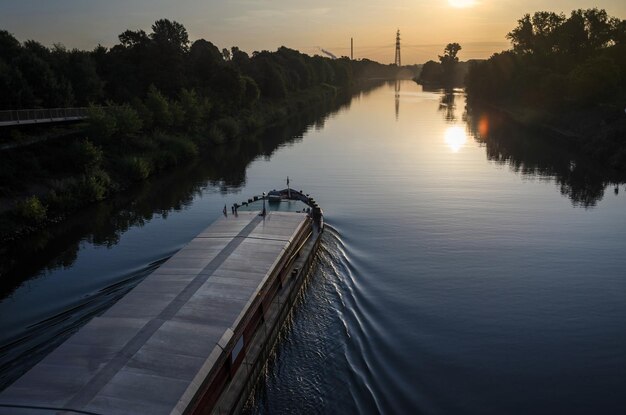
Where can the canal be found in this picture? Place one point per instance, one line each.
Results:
(468, 266)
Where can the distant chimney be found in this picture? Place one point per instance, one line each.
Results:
(351, 49)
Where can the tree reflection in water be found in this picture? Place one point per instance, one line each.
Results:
(223, 168)
(528, 153)
(447, 105)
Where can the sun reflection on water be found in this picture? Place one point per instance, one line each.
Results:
(455, 138)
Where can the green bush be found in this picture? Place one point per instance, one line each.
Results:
(31, 210)
(191, 107)
(181, 148)
(142, 142)
(229, 126)
(252, 93)
(145, 115)
(85, 155)
(159, 107)
(253, 122)
(178, 115)
(127, 119)
(101, 124)
(92, 187)
(135, 169)
(215, 135)
(206, 110)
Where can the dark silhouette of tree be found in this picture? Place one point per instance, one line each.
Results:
(226, 54)
(444, 73)
(133, 38)
(10, 47)
(565, 70)
(166, 59)
(33, 75)
(450, 52)
(449, 61)
(431, 73)
(170, 35)
(239, 58)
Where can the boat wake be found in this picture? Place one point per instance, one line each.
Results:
(325, 334)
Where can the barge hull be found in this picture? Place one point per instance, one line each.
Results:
(190, 338)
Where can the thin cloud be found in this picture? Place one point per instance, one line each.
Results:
(252, 16)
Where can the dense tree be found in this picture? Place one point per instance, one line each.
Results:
(133, 38)
(449, 61)
(164, 61)
(446, 73)
(450, 53)
(547, 32)
(562, 68)
(159, 107)
(205, 60)
(170, 35)
(167, 51)
(239, 58)
(10, 47)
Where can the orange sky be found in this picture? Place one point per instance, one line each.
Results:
(307, 25)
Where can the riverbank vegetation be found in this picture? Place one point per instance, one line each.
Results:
(566, 74)
(156, 101)
(222, 167)
(448, 73)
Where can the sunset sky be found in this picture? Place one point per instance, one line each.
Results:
(479, 26)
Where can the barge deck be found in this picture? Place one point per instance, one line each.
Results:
(192, 337)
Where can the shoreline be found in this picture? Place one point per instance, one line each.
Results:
(598, 132)
(266, 114)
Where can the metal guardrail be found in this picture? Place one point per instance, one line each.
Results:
(35, 116)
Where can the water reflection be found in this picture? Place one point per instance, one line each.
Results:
(447, 105)
(397, 97)
(455, 138)
(223, 168)
(451, 208)
(579, 178)
(63, 256)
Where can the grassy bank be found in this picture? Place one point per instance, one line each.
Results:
(119, 146)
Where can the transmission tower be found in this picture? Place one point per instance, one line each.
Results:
(398, 62)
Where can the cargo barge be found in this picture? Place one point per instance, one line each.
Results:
(193, 336)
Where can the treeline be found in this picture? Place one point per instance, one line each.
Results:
(557, 61)
(432, 75)
(567, 73)
(35, 76)
(156, 101)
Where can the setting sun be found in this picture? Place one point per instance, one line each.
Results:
(461, 3)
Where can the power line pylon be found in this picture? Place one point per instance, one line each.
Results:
(398, 61)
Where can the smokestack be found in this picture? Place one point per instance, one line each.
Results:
(331, 55)
(352, 49)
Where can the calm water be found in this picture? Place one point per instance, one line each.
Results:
(468, 267)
